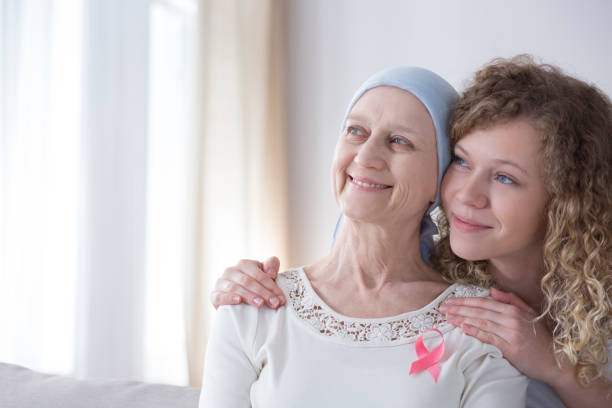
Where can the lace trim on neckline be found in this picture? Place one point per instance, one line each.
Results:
(319, 317)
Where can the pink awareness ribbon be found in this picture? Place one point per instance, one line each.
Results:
(428, 360)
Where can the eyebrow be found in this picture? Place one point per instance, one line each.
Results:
(360, 118)
(500, 161)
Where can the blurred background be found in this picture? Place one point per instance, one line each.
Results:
(145, 145)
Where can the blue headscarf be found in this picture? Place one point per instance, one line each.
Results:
(438, 96)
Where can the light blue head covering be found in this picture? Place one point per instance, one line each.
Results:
(438, 96)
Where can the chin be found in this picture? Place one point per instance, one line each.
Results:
(468, 251)
(360, 213)
(356, 216)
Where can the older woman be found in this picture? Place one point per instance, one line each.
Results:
(363, 327)
(529, 209)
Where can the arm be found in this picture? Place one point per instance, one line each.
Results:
(250, 282)
(490, 380)
(574, 395)
(229, 370)
(507, 323)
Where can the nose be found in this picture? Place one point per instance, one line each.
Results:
(473, 191)
(371, 154)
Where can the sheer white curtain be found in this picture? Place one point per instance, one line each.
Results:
(39, 176)
(243, 199)
(115, 214)
(95, 185)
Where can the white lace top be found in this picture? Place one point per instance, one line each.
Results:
(405, 328)
(308, 355)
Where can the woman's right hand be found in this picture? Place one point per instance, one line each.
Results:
(251, 282)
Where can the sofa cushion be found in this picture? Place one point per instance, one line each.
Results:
(24, 388)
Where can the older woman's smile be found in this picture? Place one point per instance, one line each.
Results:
(366, 184)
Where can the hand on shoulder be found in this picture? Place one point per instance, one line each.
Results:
(508, 323)
(251, 282)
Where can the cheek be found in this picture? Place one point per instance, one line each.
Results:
(430, 177)
(449, 184)
(400, 198)
(422, 175)
(537, 221)
(526, 224)
(342, 159)
(418, 186)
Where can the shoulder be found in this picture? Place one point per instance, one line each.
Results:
(243, 318)
(471, 352)
(247, 316)
(471, 348)
(253, 327)
(466, 290)
(289, 279)
(474, 357)
(488, 375)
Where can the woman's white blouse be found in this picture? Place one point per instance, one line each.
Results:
(307, 355)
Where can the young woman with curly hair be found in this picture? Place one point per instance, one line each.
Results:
(528, 208)
(561, 265)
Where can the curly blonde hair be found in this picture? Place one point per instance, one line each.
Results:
(574, 120)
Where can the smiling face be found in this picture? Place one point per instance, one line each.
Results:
(385, 163)
(494, 193)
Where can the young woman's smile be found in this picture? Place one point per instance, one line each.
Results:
(466, 224)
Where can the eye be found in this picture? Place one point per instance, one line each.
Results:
(504, 179)
(400, 141)
(459, 161)
(355, 131)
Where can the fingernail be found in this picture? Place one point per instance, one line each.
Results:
(258, 301)
(274, 301)
(235, 299)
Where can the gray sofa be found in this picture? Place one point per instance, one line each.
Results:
(24, 388)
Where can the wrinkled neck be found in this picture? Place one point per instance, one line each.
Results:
(374, 256)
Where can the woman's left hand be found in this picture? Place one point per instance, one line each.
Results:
(507, 323)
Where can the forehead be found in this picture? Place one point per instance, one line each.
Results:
(517, 140)
(392, 104)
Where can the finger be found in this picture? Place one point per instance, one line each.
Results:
(271, 266)
(219, 298)
(260, 283)
(485, 336)
(230, 273)
(245, 263)
(234, 281)
(477, 303)
(482, 324)
(258, 289)
(489, 332)
(466, 312)
(248, 296)
(511, 298)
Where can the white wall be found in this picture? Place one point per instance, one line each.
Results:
(336, 44)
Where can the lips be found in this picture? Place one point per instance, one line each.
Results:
(468, 224)
(367, 184)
